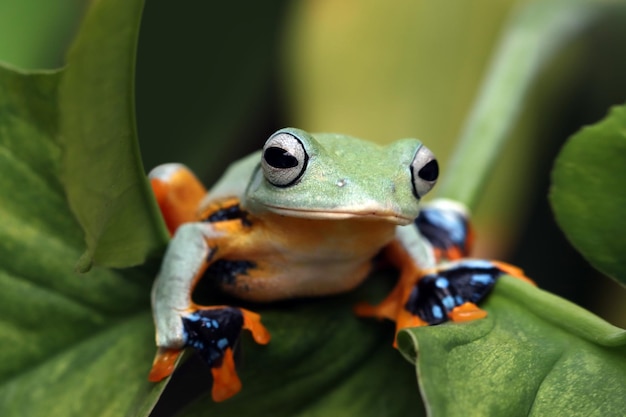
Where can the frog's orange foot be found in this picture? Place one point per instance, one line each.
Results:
(226, 382)
(466, 312)
(453, 291)
(213, 332)
(513, 271)
(252, 323)
(163, 364)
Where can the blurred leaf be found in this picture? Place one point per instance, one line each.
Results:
(35, 33)
(71, 345)
(533, 36)
(535, 354)
(101, 170)
(204, 85)
(588, 195)
(382, 71)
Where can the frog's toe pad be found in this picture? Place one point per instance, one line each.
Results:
(441, 295)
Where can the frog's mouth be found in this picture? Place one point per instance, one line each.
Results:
(375, 215)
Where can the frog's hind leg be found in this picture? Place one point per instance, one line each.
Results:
(178, 193)
(445, 224)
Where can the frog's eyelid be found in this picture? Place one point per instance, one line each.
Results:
(424, 171)
(284, 159)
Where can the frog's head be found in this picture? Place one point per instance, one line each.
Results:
(331, 176)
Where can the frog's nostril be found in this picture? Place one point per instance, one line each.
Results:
(342, 182)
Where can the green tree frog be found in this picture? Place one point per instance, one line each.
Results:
(306, 216)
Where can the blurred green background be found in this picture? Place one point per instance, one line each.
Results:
(215, 79)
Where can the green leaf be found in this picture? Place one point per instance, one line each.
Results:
(588, 196)
(101, 169)
(71, 344)
(535, 354)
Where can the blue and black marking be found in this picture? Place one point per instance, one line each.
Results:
(234, 212)
(226, 271)
(436, 295)
(213, 331)
(444, 229)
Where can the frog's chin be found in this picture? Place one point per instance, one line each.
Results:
(374, 215)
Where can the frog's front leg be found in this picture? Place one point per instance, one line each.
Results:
(427, 293)
(453, 290)
(448, 292)
(392, 307)
(213, 331)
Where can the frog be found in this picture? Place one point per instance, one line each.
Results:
(309, 215)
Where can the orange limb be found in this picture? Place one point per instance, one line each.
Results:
(178, 193)
(226, 382)
(387, 309)
(467, 312)
(405, 320)
(392, 307)
(163, 364)
(452, 253)
(252, 323)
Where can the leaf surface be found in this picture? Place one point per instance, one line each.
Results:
(534, 355)
(587, 194)
(68, 340)
(101, 167)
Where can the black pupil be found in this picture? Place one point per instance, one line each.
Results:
(430, 171)
(279, 158)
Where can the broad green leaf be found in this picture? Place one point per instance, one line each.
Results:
(534, 355)
(71, 344)
(587, 194)
(101, 169)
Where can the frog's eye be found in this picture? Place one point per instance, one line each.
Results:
(424, 171)
(284, 159)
